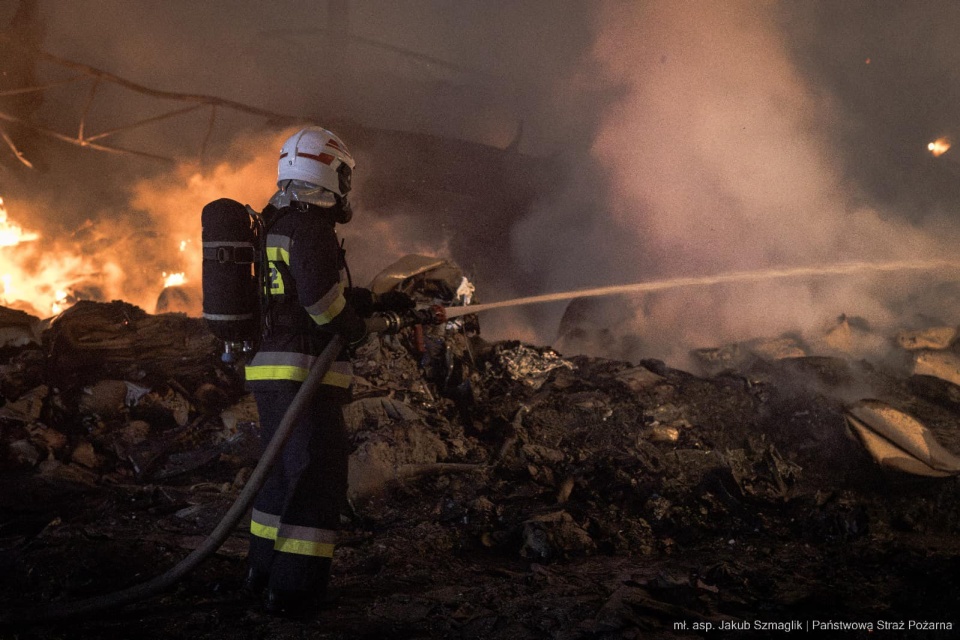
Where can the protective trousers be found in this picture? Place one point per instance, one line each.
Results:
(297, 512)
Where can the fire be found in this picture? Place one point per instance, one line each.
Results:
(939, 147)
(60, 301)
(12, 234)
(40, 291)
(44, 277)
(46, 287)
(174, 279)
(149, 250)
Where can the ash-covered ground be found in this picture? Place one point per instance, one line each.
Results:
(497, 491)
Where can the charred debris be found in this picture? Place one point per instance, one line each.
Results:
(498, 490)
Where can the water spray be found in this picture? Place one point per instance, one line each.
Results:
(846, 268)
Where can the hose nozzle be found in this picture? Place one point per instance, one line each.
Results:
(391, 322)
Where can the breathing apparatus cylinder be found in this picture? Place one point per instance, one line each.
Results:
(231, 271)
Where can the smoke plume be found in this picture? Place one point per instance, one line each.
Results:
(715, 158)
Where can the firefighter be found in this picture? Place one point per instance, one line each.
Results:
(297, 512)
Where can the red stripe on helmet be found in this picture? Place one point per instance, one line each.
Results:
(283, 155)
(325, 158)
(333, 143)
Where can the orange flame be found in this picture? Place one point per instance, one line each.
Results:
(137, 257)
(939, 147)
(60, 301)
(13, 234)
(174, 279)
(44, 290)
(46, 277)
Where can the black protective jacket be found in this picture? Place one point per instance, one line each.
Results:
(307, 280)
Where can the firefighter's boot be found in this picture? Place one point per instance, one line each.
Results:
(254, 583)
(304, 603)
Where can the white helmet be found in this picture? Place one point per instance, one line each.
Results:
(316, 156)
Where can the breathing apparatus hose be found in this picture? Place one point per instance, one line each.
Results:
(308, 391)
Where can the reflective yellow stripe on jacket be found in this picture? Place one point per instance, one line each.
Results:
(325, 308)
(280, 365)
(304, 541)
(328, 306)
(278, 250)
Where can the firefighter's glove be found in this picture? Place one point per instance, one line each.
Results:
(394, 301)
(362, 300)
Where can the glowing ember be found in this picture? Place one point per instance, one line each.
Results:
(174, 279)
(939, 147)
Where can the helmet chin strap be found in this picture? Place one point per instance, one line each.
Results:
(342, 211)
(339, 213)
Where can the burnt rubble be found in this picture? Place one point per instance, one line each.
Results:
(517, 493)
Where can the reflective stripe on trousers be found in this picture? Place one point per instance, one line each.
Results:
(288, 538)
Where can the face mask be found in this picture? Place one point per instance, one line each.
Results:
(294, 191)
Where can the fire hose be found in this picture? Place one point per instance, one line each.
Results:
(385, 322)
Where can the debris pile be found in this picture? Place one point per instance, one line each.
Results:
(497, 490)
(107, 392)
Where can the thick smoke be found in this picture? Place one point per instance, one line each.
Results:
(715, 159)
